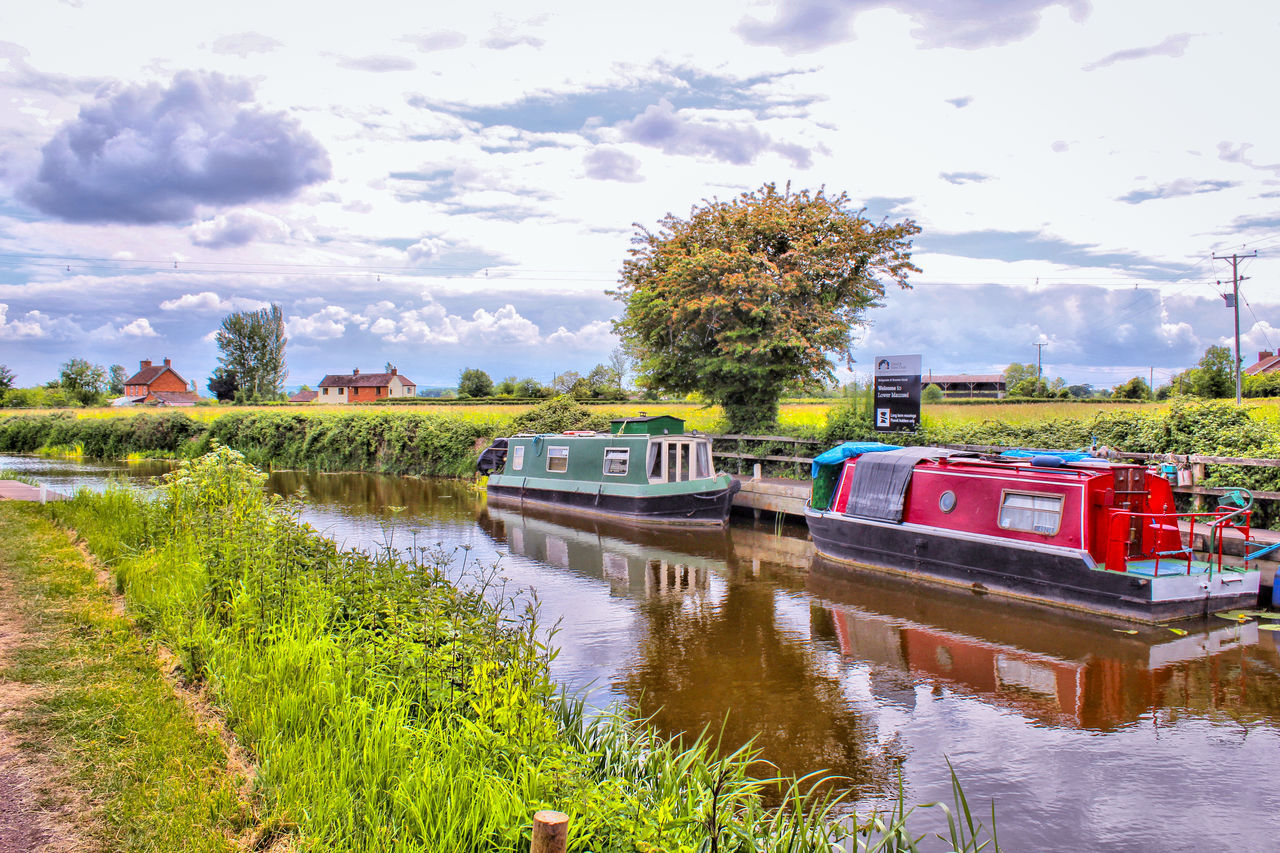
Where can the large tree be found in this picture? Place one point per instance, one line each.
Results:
(252, 344)
(115, 382)
(83, 381)
(750, 297)
(474, 382)
(7, 377)
(1214, 376)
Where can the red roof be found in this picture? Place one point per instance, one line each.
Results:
(362, 380)
(1270, 364)
(147, 375)
(304, 397)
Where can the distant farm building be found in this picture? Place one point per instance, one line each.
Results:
(159, 385)
(307, 396)
(357, 387)
(967, 384)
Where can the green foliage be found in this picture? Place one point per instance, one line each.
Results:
(1214, 376)
(1261, 385)
(473, 382)
(251, 346)
(558, 415)
(399, 700)
(1135, 389)
(83, 381)
(748, 298)
(223, 384)
(6, 377)
(931, 394)
(115, 382)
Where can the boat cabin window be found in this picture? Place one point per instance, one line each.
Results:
(674, 460)
(616, 460)
(558, 459)
(1030, 512)
(517, 457)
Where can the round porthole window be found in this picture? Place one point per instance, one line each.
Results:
(947, 501)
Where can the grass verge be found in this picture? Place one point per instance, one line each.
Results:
(97, 715)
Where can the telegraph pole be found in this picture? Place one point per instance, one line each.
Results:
(1235, 303)
(1039, 348)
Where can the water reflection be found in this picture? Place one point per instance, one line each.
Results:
(1053, 667)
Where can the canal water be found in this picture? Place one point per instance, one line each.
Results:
(1085, 737)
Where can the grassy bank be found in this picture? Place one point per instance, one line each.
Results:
(401, 700)
(118, 751)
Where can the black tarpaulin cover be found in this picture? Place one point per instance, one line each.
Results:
(880, 481)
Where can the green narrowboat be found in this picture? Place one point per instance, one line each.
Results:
(644, 469)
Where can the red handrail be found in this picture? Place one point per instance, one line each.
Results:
(1133, 536)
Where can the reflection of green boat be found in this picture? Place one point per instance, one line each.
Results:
(634, 560)
(644, 469)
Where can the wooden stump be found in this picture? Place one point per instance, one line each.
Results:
(550, 832)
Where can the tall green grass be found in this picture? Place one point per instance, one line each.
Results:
(401, 699)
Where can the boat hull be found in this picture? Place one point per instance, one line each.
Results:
(706, 508)
(1064, 577)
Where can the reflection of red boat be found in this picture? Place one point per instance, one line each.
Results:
(1059, 529)
(1053, 666)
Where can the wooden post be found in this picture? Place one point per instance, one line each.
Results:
(1197, 475)
(550, 832)
(755, 472)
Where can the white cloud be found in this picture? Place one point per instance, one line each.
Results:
(207, 300)
(139, 328)
(593, 336)
(31, 325)
(327, 323)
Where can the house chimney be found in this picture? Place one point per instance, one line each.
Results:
(355, 372)
(166, 362)
(1264, 355)
(393, 371)
(144, 364)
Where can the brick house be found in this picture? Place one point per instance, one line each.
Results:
(357, 387)
(1268, 362)
(158, 384)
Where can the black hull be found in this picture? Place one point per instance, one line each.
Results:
(1059, 577)
(703, 509)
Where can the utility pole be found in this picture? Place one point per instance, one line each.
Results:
(1235, 303)
(1039, 349)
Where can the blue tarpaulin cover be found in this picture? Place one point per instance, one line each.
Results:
(848, 450)
(1064, 455)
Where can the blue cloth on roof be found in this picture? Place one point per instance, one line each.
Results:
(1064, 455)
(848, 450)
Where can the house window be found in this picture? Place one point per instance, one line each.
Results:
(557, 459)
(326, 391)
(615, 461)
(517, 457)
(1031, 513)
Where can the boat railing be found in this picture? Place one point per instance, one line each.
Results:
(1156, 538)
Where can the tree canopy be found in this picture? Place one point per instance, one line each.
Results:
(7, 377)
(252, 344)
(752, 297)
(473, 382)
(82, 380)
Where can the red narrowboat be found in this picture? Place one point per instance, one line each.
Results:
(1064, 529)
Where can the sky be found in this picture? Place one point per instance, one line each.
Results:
(450, 186)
